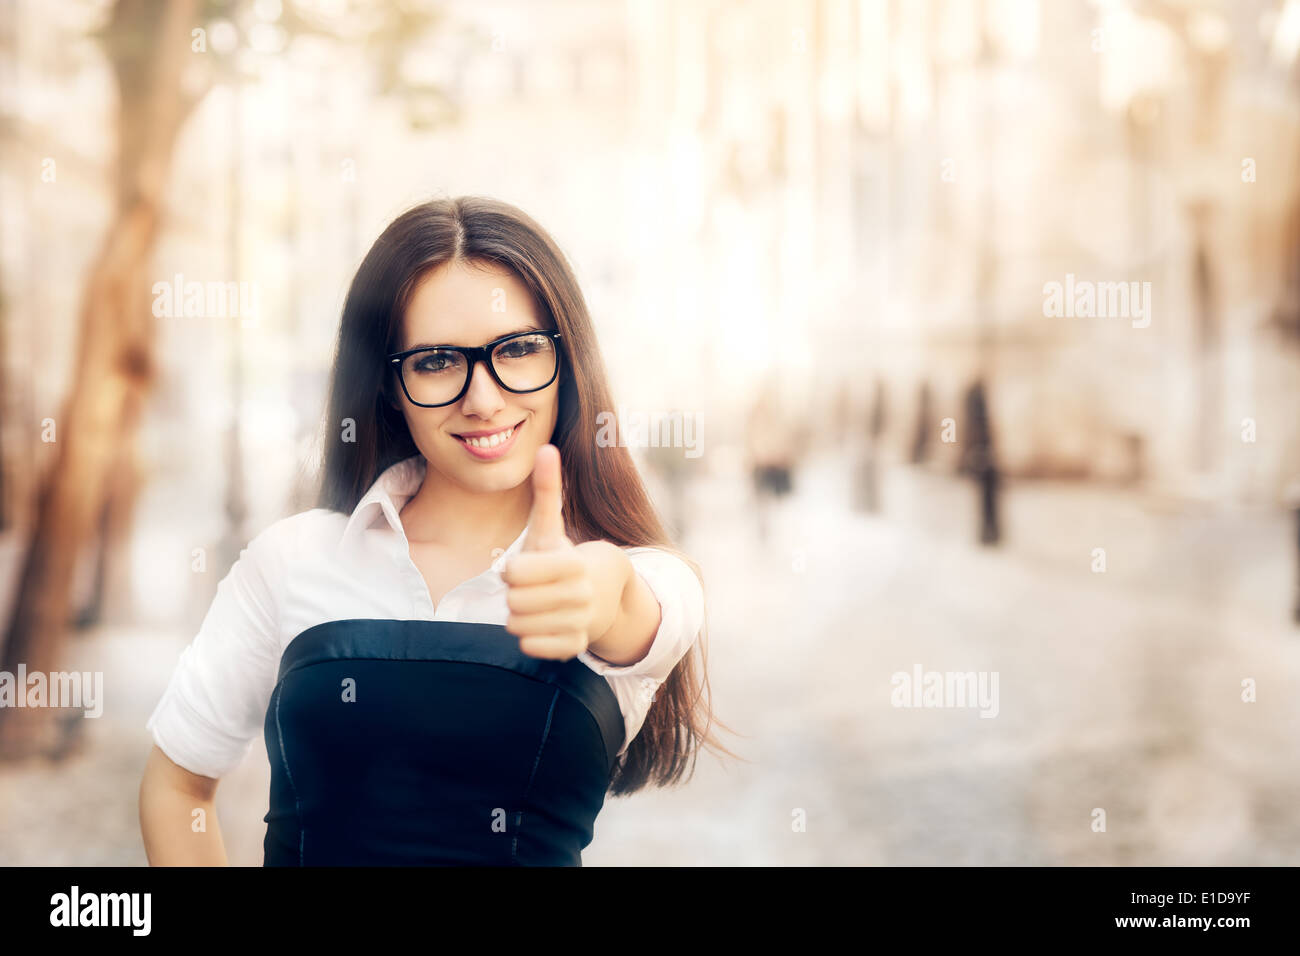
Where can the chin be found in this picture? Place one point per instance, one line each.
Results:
(497, 482)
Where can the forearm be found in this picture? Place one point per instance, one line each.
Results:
(172, 831)
(167, 823)
(627, 612)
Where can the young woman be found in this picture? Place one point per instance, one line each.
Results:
(482, 629)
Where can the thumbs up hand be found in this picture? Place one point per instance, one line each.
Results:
(551, 589)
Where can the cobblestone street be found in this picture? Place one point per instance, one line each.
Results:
(1119, 691)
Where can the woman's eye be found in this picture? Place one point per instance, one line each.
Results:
(432, 363)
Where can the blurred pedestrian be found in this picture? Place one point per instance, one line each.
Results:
(979, 460)
(773, 442)
(921, 437)
(1291, 500)
(866, 489)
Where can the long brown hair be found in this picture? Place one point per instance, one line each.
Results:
(604, 497)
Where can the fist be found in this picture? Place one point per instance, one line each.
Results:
(549, 587)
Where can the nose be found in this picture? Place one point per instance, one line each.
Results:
(484, 397)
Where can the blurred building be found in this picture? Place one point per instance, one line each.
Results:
(889, 187)
(815, 193)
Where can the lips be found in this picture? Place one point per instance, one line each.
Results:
(487, 432)
(491, 443)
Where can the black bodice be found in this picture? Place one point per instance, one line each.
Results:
(433, 743)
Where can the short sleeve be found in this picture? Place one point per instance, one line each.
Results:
(681, 604)
(215, 703)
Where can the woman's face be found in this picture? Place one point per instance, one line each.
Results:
(471, 304)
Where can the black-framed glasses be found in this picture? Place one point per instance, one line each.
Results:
(436, 375)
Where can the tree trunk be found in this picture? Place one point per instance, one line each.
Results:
(109, 598)
(114, 368)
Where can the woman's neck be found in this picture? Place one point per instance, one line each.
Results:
(444, 513)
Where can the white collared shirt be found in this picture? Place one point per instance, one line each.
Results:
(323, 565)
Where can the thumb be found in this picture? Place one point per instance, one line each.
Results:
(546, 523)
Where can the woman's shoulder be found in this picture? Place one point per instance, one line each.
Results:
(298, 533)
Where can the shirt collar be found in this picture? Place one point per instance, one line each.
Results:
(390, 493)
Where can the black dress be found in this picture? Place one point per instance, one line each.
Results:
(418, 743)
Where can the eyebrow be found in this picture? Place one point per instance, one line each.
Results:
(443, 345)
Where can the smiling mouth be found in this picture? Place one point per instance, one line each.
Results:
(491, 441)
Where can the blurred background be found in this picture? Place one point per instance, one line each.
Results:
(824, 232)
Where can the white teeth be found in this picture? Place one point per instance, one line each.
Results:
(491, 441)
